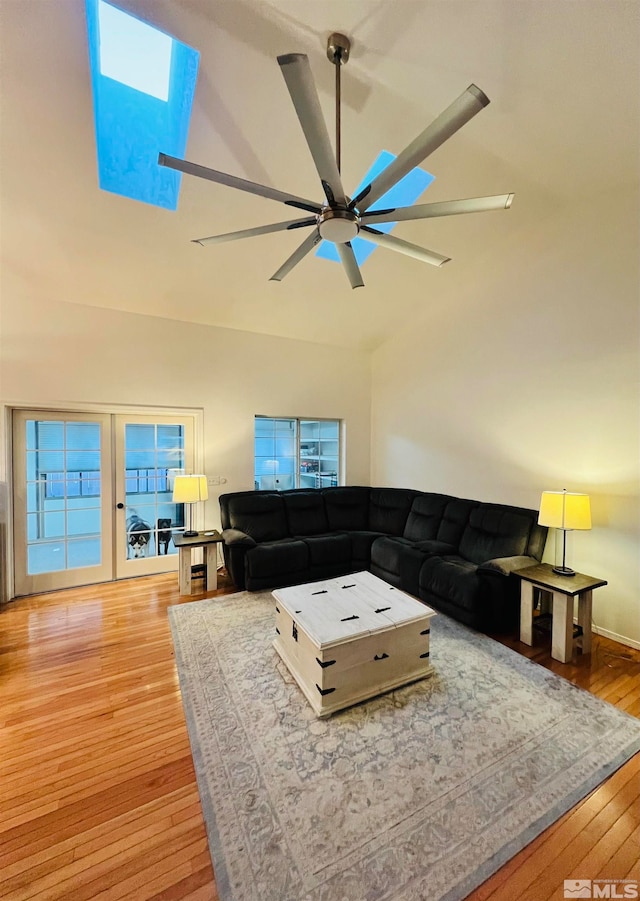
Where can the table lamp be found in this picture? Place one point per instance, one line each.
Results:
(567, 511)
(189, 490)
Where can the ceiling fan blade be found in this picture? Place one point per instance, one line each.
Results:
(172, 162)
(297, 74)
(348, 258)
(397, 244)
(299, 254)
(254, 232)
(448, 122)
(446, 208)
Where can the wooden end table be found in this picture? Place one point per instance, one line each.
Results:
(208, 540)
(563, 589)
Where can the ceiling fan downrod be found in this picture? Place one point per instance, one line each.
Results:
(338, 47)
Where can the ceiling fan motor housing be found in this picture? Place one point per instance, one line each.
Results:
(339, 226)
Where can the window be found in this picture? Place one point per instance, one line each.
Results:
(143, 84)
(296, 453)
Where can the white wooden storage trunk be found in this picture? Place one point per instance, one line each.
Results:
(348, 639)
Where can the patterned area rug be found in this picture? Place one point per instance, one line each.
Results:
(419, 794)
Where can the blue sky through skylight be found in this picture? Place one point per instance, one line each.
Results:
(143, 86)
(133, 52)
(404, 193)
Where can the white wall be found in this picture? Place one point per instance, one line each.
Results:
(525, 378)
(58, 353)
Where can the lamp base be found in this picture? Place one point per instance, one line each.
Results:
(189, 533)
(560, 570)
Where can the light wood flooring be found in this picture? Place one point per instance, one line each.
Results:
(98, 796)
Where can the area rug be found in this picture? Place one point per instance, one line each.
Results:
(418, 795)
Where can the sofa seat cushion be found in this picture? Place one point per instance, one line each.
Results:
(492, 533)
(453, 579)
(328, 549)
(387, 552)
(361, 542)
(435, 548)
(276, 558)
(398, 561)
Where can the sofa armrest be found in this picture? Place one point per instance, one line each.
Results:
(236, 538)
(503, 566)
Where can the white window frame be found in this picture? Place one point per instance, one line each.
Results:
(298, 420)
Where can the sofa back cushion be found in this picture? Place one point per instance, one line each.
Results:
(495, 531)
(305, 512)
(347, 508)
(259, 514)
(455, 519)
(389, 509)
(425, 516)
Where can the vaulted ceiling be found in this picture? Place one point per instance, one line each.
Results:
(562, 123)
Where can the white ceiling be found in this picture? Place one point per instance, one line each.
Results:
(563, 121)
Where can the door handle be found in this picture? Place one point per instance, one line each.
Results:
(120, 506)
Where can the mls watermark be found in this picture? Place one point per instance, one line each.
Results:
(601, 888)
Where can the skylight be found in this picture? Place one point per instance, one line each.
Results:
(143, 86)
(134, 53)
(404, 193)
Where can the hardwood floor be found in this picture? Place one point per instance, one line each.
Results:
(98, 797)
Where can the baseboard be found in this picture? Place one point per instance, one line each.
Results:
(622, 639)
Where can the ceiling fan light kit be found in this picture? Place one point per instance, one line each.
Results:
(339, 226)
(338, 218)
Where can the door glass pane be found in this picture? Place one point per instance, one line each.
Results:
(170, 436)
(83, 435)
(82, 552)
(82, 461)
(55, 496)
(46, 557)
(39, 462)
(81, 521)
(41, 435)
(153, 455)
(64, 498)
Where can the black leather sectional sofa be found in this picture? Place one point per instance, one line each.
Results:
(456, 555)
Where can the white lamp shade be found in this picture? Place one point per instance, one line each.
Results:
(565, 510)
(190, 489)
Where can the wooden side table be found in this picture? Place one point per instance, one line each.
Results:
(209, 541)
(563, 590)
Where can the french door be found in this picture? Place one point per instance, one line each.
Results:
(149, 452)
(93, 496)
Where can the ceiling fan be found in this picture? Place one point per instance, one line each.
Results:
(340, 218)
